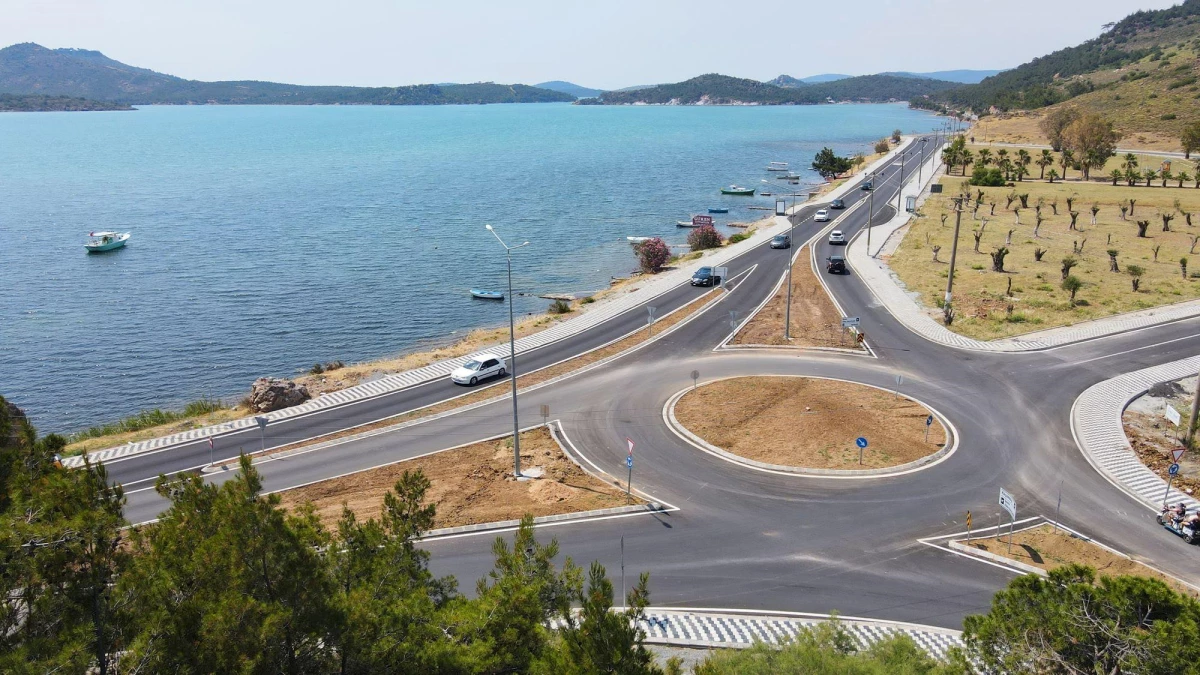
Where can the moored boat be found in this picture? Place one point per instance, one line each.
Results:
(105, 241)
(487, 295)
(738, 191)
(638, 240)
(777, 166)
(718, 210)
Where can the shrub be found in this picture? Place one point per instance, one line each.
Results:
(559, 307)
(740, 236)
(587, 301)
(652, 255)
(987, 177)
(882, 146)
(317, 369)
(896, 136)
(704, 237)
(1168, 116)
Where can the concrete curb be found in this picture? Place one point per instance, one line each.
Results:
(999, 559)
(680, 430)
(1099, 433)
(578, 516)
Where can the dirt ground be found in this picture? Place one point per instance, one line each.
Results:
(1022, 127)
(1153, 437)
(815, 321)
(808, 422)
(1045, 549)
(472, 485)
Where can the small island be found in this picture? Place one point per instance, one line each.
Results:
(40, 103)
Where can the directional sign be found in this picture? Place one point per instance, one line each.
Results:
(899, 380)
(1174, 469)
(1172, 415)
(262, 422)
(629, 461)
(1008, 503)
(929, 420)
(630, 442)
(1177, 454)
(850, 321)
(860, 442)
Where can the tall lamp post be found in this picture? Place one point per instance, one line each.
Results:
(512, 353)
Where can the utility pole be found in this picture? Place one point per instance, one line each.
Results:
(512, 354)
(900, 187)
(1187, 439)
(870, 215)
(946, 311)
(787, 312)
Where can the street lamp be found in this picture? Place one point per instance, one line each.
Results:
(512, 353)
(787, 312)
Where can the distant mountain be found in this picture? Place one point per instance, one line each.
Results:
(32, 69)
(960, 76)
(716, 89)
(40, 103)
(569, 88)
(824, 77)
(636, 87)
(787, 81)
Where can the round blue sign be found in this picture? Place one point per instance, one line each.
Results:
(629, 461)
(861, 442)
(1174, 469)
(929, 420)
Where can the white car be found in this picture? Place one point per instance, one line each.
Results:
(480, 367)
(822, 216)
(836, 237)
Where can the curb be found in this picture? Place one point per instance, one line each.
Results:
(908, 467)
(1007, 562)
(577, 516)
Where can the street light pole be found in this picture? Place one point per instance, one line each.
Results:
(512, 353)
(946, 309)
(900, 187)
(870, 214)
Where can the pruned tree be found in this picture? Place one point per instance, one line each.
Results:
(1038, 253)
(1024, 197)
(1070, 203)
(1154, 249)
(1008, 237)
(1074, 218)
(1009, 199)
(992, 208)
(1135, 273)
(1142, 226)
(1068, 262)
(1195, 240)
(1183, 266)
(1132, 203)
(978, 234)
(1183, 177)
(944, 217)
(1053, 205)
(1095, 211)
(1112, 260)
(1124, 209)
(936, 250)
(1077, 246)
(1037, 225)
(1167, 217)
(998, 258)
(1072, 284)
(1017, 216)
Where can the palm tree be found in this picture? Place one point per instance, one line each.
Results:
(1116, 175)
(985, 157)
(1043, 161)
(1131, 161)
(950, 158)
(1024, 159)
(1064, 161)
(1149, 175)
(1021, 171)
(1166, 176)
(965, 159)
(1051, 175)
(1183, 177)
(1005, 166)
(1131, 176)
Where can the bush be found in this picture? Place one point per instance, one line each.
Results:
(652, 255)
(1168, 116)
(740, 236)
(987, 177)
(317, 369)
(587, 301)
(882, 146)
(559, 307)
(704, 237)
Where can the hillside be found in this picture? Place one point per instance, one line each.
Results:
(716, 89)
(959, 76)
(39, 103)
(32, 69)
(1100, 63)
(569, 88)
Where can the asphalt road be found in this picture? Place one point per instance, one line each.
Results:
(749, 539)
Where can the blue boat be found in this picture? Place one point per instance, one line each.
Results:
(487, 295)
(718, 210)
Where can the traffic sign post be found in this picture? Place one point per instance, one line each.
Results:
(1176, 455)
(650, 322)
(629, 465)
(546, 414)
(899, 381)
(695, 378)
(262, 432)
(928, 423)
(861, 442)
(968, 527)
(1008, 504)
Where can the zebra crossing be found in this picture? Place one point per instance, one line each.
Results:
(717, 629)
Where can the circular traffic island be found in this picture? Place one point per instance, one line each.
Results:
(810, 425)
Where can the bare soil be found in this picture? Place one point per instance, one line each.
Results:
(471, 485)
(1153, 438)
(1041, 547)
(815, 320)
(808, 422)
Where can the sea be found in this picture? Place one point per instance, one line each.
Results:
(269, 238)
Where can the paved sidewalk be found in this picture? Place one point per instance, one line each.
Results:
(1096, 424)
(902, 305)
(721, 629)
(604, 311)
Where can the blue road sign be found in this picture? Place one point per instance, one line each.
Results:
(861, 442)
(1174, 469)
(629, 461)
(929, 420)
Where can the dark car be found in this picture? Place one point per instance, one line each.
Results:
(703, 277)
(837, 204)
(781, 241)
(835, 264)
(866, 186)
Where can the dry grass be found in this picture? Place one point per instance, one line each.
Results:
(471, 485)
(808, 422)
(1152, 439)
(1037, 299)
(815, 321)
(1041, 547)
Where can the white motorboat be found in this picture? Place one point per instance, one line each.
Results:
(100, 242)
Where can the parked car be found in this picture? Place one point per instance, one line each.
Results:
(781, 241)
(837, 204)
(822, 216)
(480, 367)
(866, 185)
(837, 237)
(835, 264)
(703, 277)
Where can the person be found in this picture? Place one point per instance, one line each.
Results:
(1193, 521)
(1178, 512)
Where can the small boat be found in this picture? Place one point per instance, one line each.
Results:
(777, 166)
(765, 194)
(718, 210)
(105, 241)
(738, 191)
(487, 295)
(638, 240)
(685, 223)
(789, 176)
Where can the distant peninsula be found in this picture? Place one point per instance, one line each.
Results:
(40, 103)
(30, 69)
(716, 89)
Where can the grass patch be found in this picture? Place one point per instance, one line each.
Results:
(149, 418)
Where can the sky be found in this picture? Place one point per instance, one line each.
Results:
(605, 44)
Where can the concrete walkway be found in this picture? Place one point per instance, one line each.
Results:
(902, 305)
(1096, 425)
(650, 288)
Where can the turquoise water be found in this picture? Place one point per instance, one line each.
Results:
(269, 238)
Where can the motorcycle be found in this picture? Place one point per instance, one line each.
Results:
(1167, 520)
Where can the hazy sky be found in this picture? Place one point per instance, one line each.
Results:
(603, 44)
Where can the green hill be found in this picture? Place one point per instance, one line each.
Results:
(28, 69)
(716, 89)
(39, 103)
